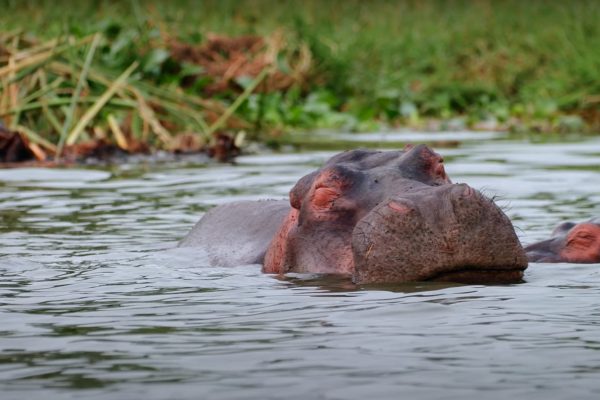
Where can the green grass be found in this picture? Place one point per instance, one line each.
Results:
(387, 61)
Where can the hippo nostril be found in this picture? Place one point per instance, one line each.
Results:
(468, 191)
(462, 190)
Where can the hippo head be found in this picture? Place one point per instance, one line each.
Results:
(569, 242)
(394, 216)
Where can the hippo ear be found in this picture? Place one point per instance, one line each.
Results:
(562, 228)
(424, 165)
(301, 188)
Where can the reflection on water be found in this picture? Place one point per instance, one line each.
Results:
(96, 302)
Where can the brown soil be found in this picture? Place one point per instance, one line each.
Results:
(14, 147)
(17, 151)
(227, 59)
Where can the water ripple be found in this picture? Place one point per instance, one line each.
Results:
(96, 302)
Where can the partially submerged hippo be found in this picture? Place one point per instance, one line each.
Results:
(569, 242)
(378, 216)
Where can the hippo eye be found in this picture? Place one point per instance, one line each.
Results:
(581, 239)
(324, 197)
(585, 237)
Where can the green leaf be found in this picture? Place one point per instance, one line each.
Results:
(152, 62)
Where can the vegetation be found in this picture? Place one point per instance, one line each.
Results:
(348, 64)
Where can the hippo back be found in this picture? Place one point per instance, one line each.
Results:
(237, 233)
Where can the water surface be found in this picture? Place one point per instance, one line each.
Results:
(96, 303)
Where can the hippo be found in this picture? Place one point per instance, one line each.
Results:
(373, 216)
(569, 242)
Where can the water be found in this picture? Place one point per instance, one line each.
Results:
(96, 303)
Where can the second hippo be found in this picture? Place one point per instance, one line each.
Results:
(569, 242)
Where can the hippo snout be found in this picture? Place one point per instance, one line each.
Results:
(449, 232)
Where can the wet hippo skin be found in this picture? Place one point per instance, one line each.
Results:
(375, 216)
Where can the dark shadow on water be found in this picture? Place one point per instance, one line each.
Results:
(411, 287)
(340, 284)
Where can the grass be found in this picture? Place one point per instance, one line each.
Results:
(524, 64)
